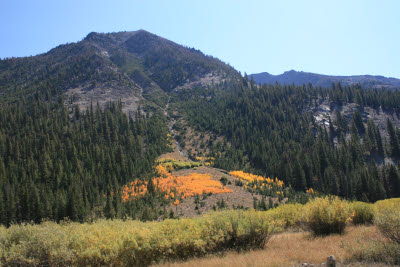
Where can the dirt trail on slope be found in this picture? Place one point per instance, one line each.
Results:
(239, 197)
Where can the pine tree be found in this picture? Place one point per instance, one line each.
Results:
(109, 210)
(394, 181)
(394, 141)
(357, 119)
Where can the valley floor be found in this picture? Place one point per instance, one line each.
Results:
(294, 249)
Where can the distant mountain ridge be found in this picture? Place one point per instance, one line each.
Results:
(300, 77)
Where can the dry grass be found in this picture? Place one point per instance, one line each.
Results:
(291, 249)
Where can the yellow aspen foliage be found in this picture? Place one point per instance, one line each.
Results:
(175, 187)
(256, 178)
(257, 183)
(311, 192)
(162, 171)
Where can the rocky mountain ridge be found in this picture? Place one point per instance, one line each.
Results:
(137, 68)
(300, 78)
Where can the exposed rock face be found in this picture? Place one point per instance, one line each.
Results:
(101, 94)
(326, 110)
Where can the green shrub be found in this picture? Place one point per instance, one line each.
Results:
(387, 218)
(179, 165)
(35, 245)
(224, 180)
(131, 243)
(286, 215)
(363, 212)
(327, 215)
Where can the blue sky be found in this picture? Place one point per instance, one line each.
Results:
(330, 37)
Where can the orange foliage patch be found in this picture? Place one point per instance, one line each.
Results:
(175, 187)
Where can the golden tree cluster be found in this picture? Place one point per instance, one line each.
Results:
(260, 184)
(252, 178)
(175, 188)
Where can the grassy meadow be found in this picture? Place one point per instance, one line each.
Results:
(352, 231)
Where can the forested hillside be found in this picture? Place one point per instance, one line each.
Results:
(58, 162)
(272, 130)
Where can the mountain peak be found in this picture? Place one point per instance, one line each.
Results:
(93, 36)
(118, 37)
(290, 71)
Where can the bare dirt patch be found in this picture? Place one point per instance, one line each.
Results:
(238, 197)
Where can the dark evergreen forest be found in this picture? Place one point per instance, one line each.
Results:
(58, 162)
(271, 130)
